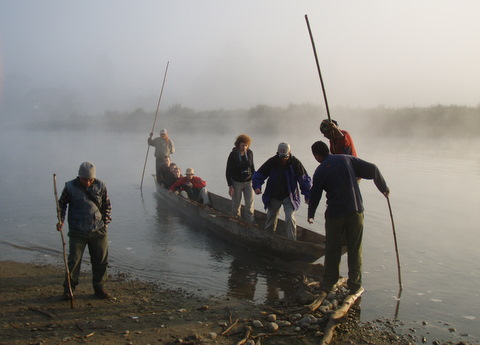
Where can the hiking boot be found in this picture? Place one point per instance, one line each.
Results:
(66, 296)
(102, 293)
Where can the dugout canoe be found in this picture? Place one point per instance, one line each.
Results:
(309, 246)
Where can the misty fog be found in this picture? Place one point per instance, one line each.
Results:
(87, 58)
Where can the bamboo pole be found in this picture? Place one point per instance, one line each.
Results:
(396, 245)
(154, 121)
(67, 271)
(318, 69)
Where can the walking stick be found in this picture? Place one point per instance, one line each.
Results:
(154, 121)
(67, 271)
(396, 245)
(318, 69)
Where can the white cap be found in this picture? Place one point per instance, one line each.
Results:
(283, 149)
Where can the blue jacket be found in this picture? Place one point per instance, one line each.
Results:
(337, 176)
(295, 175)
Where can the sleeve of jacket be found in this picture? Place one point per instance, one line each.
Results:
(369, 171)
(315, 195)
(251, 160)
(228, 170)
(177, 184)
(62, 203)
(107, 207)
(197, 182)
(303, 180)
(259, 177)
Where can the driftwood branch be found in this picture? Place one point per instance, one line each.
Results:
(248, 331)
(317, 302)
(338, 315)
(41, 311)
(320, 298)
(328, 332)
(230, 327)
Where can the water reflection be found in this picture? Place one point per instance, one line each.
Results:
(250, 276)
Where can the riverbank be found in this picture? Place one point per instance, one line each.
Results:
(32, 312)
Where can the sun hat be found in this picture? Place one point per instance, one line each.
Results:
(189, 171)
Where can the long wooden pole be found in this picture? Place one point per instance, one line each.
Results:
(318, 69)
(396, 245)
(154, 121)
(59, 217)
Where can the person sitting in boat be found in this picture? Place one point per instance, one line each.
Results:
(284, 173)
(191, 187)
(177, 172)
(239, 171)
(165, 176)
(172, 167)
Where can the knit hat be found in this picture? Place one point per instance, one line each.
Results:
(86, 170)
(283, 150)
(189, 171)
(325, 125)
(163, 131)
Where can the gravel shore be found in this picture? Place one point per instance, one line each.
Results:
(32, 312)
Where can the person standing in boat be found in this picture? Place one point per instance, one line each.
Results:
(239, 172)
(164, 147)
(284, 174)
(89, 213)
(337, 176)
(191, 187)
(340, 140)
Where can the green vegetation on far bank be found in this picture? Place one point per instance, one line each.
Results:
(433, 121)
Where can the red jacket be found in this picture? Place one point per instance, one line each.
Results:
(197, 183)
(343, 145)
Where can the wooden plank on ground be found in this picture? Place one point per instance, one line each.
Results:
(348, 301)
(321, 297)
(335, 317)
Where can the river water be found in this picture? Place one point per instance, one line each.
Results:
(434, 197)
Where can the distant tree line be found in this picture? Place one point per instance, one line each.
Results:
(434, 121)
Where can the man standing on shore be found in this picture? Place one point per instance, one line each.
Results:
(89, 213)
(337, 176)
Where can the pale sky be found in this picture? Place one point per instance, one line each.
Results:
(238, 54)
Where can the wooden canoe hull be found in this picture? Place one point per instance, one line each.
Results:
(308, 247)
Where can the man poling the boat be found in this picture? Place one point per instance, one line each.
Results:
(337, 176)
(153, 127)
(341, 141)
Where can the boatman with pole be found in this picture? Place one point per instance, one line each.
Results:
(341, 141)
(337, 175)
